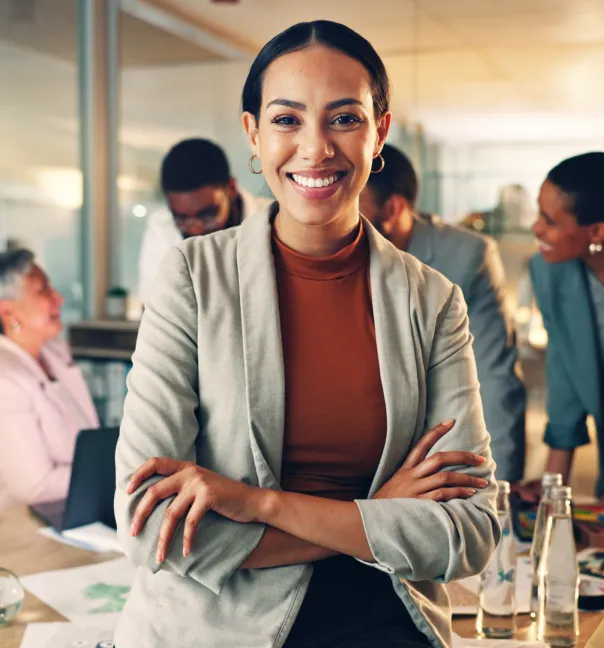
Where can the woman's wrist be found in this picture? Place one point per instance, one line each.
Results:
(268, 503)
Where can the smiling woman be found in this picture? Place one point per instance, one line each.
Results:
(44, 401)
(568, 278)
(282, 460)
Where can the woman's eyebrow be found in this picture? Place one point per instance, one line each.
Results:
(296, 105)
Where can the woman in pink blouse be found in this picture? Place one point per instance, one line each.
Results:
(44, 400)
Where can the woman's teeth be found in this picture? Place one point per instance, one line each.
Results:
(303, 181)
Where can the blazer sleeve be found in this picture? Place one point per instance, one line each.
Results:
(160, 420)
(567, 418)
(26, 468)
(502, 391)
(418, 539)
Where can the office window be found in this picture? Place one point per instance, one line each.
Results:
(40, 181)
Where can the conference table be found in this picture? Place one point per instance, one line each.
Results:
(24, 551)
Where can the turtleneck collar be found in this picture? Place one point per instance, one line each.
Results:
(343, 263)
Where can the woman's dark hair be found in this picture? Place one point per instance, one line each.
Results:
(397, 177)
(319, 32)
(581, 178)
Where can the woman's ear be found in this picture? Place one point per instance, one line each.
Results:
(5, 310)
(383, 126)
(251, 129)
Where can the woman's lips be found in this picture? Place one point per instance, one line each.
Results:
(543, 246)
(301, 183)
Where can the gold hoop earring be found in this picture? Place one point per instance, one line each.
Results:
(595, 248)
(382, 164)
(250, 165)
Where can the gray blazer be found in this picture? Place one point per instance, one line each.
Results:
(472, 261)
(207, 385)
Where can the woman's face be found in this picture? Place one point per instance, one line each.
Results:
(559, 236)
(38, 309)
(317, 134)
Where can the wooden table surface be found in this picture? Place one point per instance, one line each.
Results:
(24, 551)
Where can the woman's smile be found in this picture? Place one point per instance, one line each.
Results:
(316, 185)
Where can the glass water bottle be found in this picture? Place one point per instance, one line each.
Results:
(497, 599)
(558, 619)
(548, 480)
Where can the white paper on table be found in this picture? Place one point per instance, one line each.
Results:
(67, 635)
(92, 537)
(97, 535)
(53, 534)
(462, 642)
(90, 595)
(523, 590)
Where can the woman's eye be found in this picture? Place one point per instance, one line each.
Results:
(285, 120)
(346, 120)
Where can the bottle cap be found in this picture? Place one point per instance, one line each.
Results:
(503, 486)
(551, 479)
(561, 492)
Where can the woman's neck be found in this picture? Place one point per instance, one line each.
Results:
(32, 347)
(317, 240)
(595, 262)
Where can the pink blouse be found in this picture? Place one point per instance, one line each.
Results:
(39, 421)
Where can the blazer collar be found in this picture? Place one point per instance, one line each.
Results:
(263, 354)
(24, 359)
(58, 361)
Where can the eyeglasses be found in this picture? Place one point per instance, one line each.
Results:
(208, 217)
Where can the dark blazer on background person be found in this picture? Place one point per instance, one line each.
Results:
(472, 261)
(573, 357)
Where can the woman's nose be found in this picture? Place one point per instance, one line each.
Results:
(315, 145)
(536, 227)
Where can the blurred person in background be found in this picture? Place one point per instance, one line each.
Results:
(473, 263)
(44, 401)
(202, 197)
(568, 280)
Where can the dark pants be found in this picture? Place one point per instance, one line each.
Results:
(350, 605)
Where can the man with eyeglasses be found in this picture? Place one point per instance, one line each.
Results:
(202, 198)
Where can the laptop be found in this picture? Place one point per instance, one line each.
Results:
(91, 487)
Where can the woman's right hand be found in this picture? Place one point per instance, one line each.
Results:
(425, 478)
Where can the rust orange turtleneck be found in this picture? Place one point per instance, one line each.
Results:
(335, 415)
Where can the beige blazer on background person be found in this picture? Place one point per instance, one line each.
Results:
(39, 422)
(207, 385)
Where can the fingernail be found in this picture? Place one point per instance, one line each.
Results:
(482, 482)
(185, 552)
(129, 487)
(448, 422)
(133, 529)
(159, 557)
(471, 491)
(481, 459)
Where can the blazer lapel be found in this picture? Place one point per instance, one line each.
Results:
(575, 312)
(396, 351)
(262, 346)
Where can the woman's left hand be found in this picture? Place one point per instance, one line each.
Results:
(197, 491)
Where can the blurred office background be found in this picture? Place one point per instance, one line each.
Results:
(487, 97)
